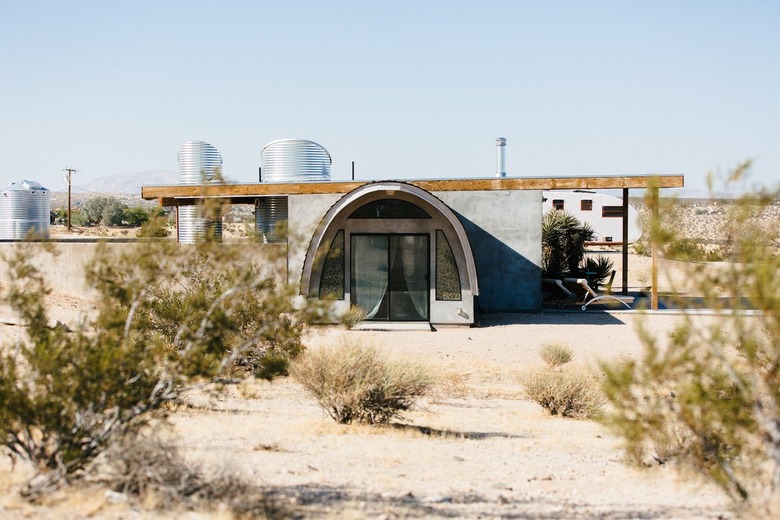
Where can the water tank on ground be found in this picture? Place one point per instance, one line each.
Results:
(287, 160)
(25, 211)
(199, 163)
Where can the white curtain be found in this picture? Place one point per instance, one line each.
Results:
(369, 272)
(414, 255)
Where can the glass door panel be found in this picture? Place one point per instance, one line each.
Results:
(390, 276)
(408, 277)
(370, 274)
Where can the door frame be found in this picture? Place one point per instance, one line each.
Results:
(389, 252)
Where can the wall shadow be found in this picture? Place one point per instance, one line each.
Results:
(508, 282)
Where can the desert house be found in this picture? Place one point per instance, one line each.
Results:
(423, 251)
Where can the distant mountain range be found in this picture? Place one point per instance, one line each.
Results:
(129, 183)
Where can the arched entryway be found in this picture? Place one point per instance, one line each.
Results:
(396, 251)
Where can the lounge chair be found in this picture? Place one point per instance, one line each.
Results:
(592, 296)
(580, 292)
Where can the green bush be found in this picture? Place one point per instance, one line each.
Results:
(153, 228)
(354, 383)
(105, 210)
(255, 322)
(135, 216)
(165, 315)
(598, 269)
(708, 394)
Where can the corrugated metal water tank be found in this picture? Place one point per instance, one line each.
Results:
(294, 160)
(199, 162)
(25, 208)
(287, 160)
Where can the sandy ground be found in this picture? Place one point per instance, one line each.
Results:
(490, 453)
(477, 448)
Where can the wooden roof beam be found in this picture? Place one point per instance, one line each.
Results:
(247, 191)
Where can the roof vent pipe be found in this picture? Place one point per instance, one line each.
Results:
(501, 157)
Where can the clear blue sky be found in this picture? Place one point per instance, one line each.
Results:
(405, 89)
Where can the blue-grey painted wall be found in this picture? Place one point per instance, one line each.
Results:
(505, 231)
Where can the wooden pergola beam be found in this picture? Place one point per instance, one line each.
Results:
(170, 195)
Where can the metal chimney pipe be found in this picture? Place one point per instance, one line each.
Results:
(501, 156)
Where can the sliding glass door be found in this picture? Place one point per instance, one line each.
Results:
(390, 276)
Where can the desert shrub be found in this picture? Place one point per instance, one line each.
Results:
(256, 323)
(77, 218)
(556, 354)
(568, 391)
(353, 317)
(708, 394)
(151, 471)
(689, 250)
(155, 227)
(67, 395)
(105, 210)
(448, 385)
(354, 383)
(139, 465)
(642, 248)
(135, 216)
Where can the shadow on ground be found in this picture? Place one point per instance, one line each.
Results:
(312, 501)
(552, 317)
(453, 434)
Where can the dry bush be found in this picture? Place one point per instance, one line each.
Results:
(353, 317)
(566, 391)
(150, 470)
(354, 383)
(449, 385)
(138, 466)
(556, 354)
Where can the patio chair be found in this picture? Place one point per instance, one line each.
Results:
(591, 296)
(557, 294)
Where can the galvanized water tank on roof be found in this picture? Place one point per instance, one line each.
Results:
(294, 160)
(25, 208)
(199, 163)
(287, 160)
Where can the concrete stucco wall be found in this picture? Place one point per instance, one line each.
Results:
(304, 214)
(64, 263)
(505, 231)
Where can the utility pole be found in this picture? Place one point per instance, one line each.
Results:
(70, 171)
